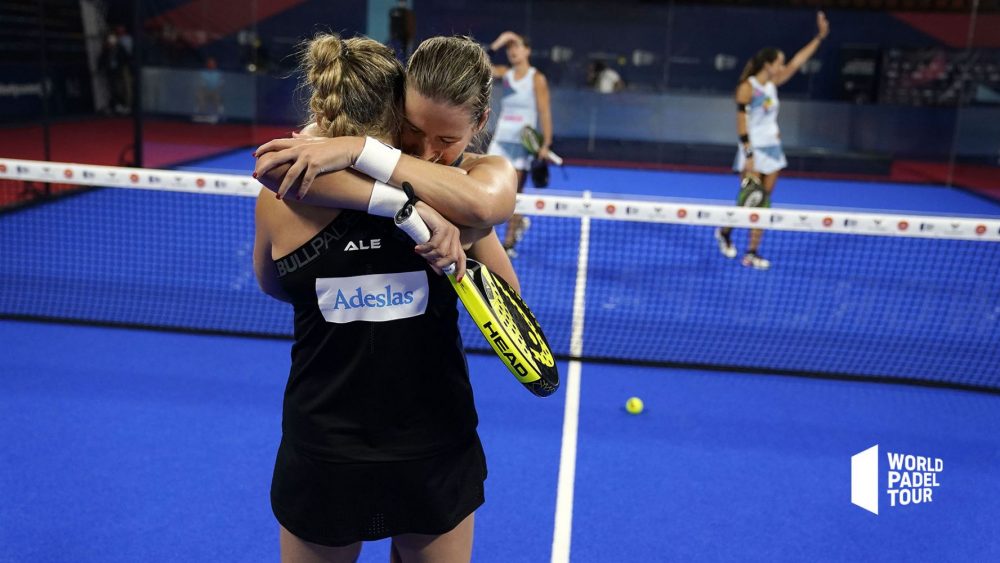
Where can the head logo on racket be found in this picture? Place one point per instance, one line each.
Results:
(503, 318)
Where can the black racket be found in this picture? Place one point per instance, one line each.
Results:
(531, 139)
(752, 193)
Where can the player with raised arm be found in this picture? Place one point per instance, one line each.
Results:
(760, 153)
(525, 103)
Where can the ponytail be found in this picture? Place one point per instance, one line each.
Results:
(356, 85)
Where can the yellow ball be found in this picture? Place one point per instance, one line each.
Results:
(633, 405)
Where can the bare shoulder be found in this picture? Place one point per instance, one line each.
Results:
(472, 160)
(287, 215)
(311, 130)
(271, 213)
(267, 205)
(496, 170)
(744, 92)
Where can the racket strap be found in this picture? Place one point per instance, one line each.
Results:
(411, 197)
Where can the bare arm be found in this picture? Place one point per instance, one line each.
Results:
(481, 195)
(744, 92)
(263, 264)
(499, 43)
(805, 53)
(544, 113)
(443, 248)
(344, 189)
(503, 39)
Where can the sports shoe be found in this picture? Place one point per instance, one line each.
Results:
(521, 228)
(726, 246)
(752, 260)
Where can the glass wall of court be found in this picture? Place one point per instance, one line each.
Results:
(904, 90)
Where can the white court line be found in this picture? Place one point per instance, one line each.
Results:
(567, 459)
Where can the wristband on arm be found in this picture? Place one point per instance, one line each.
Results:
(386, 200)
(377, 160)
(747, 149)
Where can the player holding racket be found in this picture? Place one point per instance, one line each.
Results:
(760, 152)
(311, 155)
(525, 103)
(379, 424)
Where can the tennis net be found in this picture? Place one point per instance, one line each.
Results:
(850, 293)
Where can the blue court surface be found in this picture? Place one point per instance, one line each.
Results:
(141, 445)
(129, 445)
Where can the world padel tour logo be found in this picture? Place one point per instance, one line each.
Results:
(909, 479)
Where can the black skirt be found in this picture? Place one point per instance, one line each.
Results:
(337, 504)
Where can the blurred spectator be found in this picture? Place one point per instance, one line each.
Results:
(114, 63)
(210, 108)
(402, 28)
(124, 38)
(603, 79)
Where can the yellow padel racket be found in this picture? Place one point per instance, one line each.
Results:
(505, 321)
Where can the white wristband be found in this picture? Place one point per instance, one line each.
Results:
(377, 160)
(386, 200)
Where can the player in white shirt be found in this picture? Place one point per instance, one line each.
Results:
(760, 152)
(525, 102)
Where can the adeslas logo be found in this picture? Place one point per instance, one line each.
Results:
(373, 297)
(359, 298)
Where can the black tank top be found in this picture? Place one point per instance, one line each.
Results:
(378, 370)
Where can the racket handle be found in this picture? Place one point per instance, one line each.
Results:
(409, 221)
(555, 158)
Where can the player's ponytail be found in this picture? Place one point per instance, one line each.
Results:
(349, 80)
